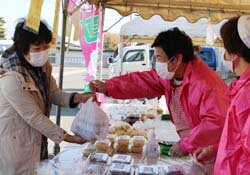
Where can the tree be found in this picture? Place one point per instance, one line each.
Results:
(2, 29)
(111, 41)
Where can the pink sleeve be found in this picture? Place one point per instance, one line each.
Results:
(245, 135)
(135, 85)
(212, 110)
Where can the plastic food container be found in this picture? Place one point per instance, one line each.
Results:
(147, 170)
(88, 149)
(121, 158)
(138, 141)
(102, 145)
(120, 169)
(123, 140)
(98, 157)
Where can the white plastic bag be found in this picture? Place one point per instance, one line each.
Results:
(91, 122)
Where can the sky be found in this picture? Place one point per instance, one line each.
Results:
(11, 10)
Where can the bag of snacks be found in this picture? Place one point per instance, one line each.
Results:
(91, 122)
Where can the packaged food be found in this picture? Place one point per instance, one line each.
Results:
(123, 140)
(147, 170)
(121, 158)
(171, 170)
(111, 138)
(159, 110)
(122, 149)
(120, 169)
(88, 149)
(102, 145)
(99, 157)
(138, 141)
(137, 149)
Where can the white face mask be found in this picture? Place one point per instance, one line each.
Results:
(162, 70)
(38, 59)
(228, 64)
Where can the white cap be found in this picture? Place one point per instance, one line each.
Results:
(244, 29)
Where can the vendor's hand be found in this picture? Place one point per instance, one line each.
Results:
(177, 151)
(82, 98)
(98, 86)
(202, 155)
(74, 139)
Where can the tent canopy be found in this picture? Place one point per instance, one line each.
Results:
(193, 10)
(133, 32)
(156, 24)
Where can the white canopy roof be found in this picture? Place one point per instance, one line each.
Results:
(151, 27)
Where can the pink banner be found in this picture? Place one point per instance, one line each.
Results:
(90, 38)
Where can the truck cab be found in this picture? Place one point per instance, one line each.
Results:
(134, 58)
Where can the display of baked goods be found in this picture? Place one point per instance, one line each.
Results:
(120, 169)
(99, 157)
(88, 149)
(122, 158)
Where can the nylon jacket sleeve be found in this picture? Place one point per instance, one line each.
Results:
(212, 108)
(135, 85)
(25, 105)
(59, 97)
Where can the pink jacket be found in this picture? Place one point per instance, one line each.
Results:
(233, 156)
(202, 98)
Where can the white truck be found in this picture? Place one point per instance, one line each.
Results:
(141, 58)
(134, 58)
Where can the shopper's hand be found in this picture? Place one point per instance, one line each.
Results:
(98, 86)
(74, 139)
(82, 98)
(202, 155)
(177, 151)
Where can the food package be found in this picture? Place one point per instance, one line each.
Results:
(91, 122)
(138, 141)
(172, 170)
(121, 158)
(147, 170)
(120, 169)
(102, 145)
(98, 158)
(111, 138)
(122, 149)
(123, 140)
(151, 113)
(88, 149)
(136, 149)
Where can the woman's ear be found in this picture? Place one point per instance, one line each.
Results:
(179, 57)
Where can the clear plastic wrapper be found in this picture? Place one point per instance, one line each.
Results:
(99, 158)
(122, 149)
(137, 149)
(91, 122)
(120, 169)
(171, 170)
(111, 138)
(102, 145)
(147, 170)
(121, 158)
(138, 141)
(88, 149)
(123, 140)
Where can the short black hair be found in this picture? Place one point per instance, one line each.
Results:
(23, 38)
(231, 39)
(175, 41)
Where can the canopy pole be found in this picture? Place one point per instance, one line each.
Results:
(58, 109)
(101, 49)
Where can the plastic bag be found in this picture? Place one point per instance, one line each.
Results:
(91, 122)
